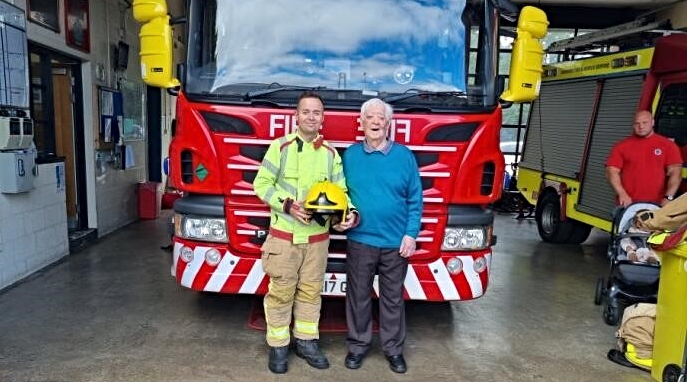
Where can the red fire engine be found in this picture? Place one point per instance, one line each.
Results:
(247, 61)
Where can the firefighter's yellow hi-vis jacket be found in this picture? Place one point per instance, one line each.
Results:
(289, 169)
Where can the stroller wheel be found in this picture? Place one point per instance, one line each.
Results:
(612, 313)
(600, 290)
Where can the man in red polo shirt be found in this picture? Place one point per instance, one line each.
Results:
(644, 167)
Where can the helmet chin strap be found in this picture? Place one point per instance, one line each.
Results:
(319, 219)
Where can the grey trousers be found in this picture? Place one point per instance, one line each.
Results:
(362, 262)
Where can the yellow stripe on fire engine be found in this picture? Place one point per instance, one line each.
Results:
(602, 65)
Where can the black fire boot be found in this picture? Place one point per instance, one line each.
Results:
(279, 359)
(310, 351)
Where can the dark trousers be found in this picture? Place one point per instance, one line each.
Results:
(362, 261)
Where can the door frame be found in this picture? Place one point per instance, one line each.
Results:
(48, 57)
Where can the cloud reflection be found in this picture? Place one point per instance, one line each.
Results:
(353, 44)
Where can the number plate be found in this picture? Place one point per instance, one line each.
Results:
(334, 286)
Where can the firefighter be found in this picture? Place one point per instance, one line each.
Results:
(294, 254)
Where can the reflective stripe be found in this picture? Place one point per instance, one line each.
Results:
(282, 140)
(282, 161)
(284, 151)
(279, 333)
(287, 187)
(330, 164)
(305, 327)
(269, 166)
(268, 195)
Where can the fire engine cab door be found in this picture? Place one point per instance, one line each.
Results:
(617, 105)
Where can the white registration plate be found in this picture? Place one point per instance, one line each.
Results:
(334, 286)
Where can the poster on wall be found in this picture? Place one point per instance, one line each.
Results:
(44, 12)
(77, 24)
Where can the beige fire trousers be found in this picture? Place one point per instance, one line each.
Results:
(296, 274)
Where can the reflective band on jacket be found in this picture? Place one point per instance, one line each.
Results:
(305, 327)
(269, 166)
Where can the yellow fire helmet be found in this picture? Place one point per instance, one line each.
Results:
(327, 199)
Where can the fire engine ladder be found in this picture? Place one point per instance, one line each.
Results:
(640, 31)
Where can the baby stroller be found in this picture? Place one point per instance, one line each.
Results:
(628, 281)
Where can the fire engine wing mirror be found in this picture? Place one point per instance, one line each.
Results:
(527, 56)
(156, 43)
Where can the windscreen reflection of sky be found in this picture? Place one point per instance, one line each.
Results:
(380, 45)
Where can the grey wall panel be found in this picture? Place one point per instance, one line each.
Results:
(617, 105)
(558, 125)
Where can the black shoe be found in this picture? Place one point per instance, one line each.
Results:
(618, 357)
(396, 363)
(354, 361)
(310, 351)
(279, 359)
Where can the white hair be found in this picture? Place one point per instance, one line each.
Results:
(388, 110)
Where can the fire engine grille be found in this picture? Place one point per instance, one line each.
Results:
(253, 152)
(488, 177)
(425, 159)
(187, 167)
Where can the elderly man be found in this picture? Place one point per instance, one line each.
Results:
(384, 185)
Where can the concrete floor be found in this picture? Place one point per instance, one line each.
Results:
(113, 313)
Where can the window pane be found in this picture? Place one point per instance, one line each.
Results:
(504, 63)
(511, 116)
(506, 42)
(472, 64)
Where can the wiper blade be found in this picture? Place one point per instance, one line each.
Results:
(400, 97)
(279, 88)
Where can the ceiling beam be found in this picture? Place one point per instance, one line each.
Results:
(587, 17)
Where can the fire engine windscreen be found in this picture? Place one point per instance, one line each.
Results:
(368, 45)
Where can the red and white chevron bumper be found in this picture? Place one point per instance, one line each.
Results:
(430, 281)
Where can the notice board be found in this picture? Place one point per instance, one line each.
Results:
(111, 117)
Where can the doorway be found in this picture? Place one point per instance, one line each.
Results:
(57, 111)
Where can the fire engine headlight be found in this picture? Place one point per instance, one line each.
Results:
(200, 228)
(461, 239)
